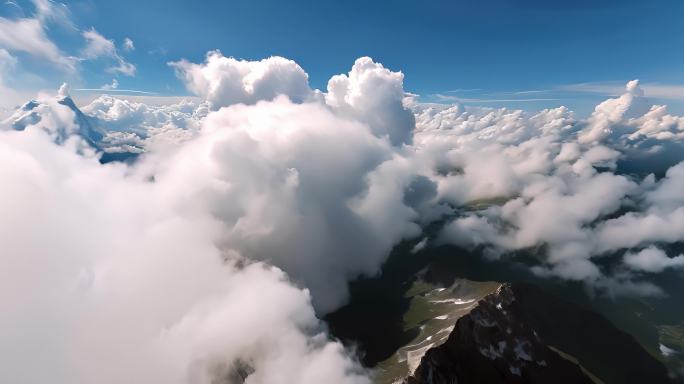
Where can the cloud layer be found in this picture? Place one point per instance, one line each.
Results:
(550, 184)
(245, 215)
(209, 257)
(110, 277)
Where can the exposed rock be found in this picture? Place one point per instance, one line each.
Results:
(495, 344)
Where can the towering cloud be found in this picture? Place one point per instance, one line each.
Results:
(607, 115)
(370, 93)
(110, 277)
(288, 181)
(211, 255)
(374, 95)
(207, 259)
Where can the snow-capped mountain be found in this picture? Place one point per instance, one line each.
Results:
(120, 129)
(60, 117)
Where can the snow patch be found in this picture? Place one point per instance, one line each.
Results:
(667, 352)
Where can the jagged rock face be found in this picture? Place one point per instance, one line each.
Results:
(494, 344)
(86, 129)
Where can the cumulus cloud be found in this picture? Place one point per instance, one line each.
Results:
(138, 127)
(602, 122)
(156, 288)
(225, 81)
(211, 256)
(209, 259)
(660, 220)
(113, 85)
(548, 184)
(652, 259)
(546, 188)
(322, 226)
(373, 94)
(369, 93)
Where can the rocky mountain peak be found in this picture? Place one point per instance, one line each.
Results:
(494, 344)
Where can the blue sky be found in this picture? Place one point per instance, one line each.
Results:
(516, 53)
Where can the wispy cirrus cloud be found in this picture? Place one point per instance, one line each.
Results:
(114, 90)
(533, 91)
(613, 88)
(97, 46)
(459, 90)
(27, 35)
(450, 98)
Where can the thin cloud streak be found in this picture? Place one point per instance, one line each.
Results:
(100, 90)
(479, 100)
(464, 90)
(655, 90)
(531, 91)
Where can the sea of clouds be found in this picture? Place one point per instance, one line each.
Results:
(211, 256)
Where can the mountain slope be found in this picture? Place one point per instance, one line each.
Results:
(520, 334)
(34, 111)
(494, 344)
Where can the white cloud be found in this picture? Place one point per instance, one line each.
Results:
(656, 90)
(369, 93)
(63, 90)
(155, 290)
(25, 35)
(249, 213)
(543, 170)
(7, 66)
(661, 220)
(652, 259)
(225, 81)
(97, 46)
(373, 94)
(288, 209)
(52, 11)
(128, 45)
(451, 98)
(604, 121)
(113, 85)
(28, 36)
(7, 62)
(144, 126)
(173, 280)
